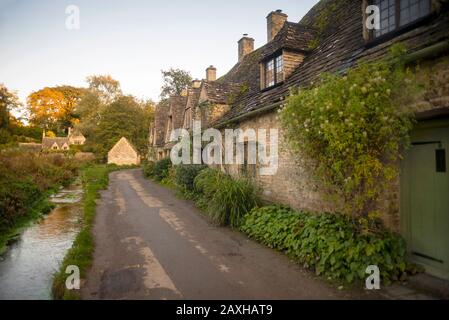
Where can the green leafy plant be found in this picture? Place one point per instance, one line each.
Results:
(161, 169)
(185, 176)
(94, 178)
(351, 131)
(329, 244)
(148, 167)
(26, 179)
(226, 200)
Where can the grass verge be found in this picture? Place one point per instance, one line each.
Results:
(94, 179)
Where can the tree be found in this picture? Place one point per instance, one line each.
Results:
(126, 117)
(8, 102)
(106, 87)
(175, 81)
(53, 108)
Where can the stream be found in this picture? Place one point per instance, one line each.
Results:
(28, 266)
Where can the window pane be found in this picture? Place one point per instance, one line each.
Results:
(412, 10)
(279, 69)
(269, 73)
(387, 16)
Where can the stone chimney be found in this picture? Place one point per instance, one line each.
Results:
(246, 46)
(196, 84)
(211, 73)
(275, 22)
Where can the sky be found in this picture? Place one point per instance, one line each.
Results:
(130, 40)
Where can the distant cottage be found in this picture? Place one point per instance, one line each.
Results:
(123, 153)
(74, 137)
(56, 143)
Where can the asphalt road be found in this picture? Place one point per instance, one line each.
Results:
(152, 245)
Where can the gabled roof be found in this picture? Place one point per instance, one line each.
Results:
(177, 108)
(292, 37)
(340, 46)
(160, 122)
(76, 133)
(123, 142)
(193, 97)
(245, 72)
(218, 92)
(49, 142)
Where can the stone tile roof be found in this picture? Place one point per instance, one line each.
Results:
(340, 46)
(47, 142)
(245, 72)
(160, 123)
(177, 108)
(218, 92)
(193, 97)
(292, 37)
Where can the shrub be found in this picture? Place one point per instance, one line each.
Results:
(25, 178)
(352, 129)
(185, 176)
(226, 200)
(148, 167)
(160, 169)
(329, 244)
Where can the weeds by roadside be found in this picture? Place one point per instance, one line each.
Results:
(94, 178)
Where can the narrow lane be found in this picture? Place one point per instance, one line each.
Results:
(152, 245)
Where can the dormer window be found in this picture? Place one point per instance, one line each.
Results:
(273, 71)
(396, 14)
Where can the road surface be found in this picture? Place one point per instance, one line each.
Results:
(152, 245)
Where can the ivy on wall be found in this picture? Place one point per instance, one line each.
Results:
(352, 130)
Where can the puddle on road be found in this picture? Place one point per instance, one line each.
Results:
(27, 268)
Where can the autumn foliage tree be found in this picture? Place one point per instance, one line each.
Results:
(53, 108)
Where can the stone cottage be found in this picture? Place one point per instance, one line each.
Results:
(333, 37)
(123, 153)
(76, 137)
(56, 143)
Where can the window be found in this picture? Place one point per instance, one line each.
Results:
(395, 14)
(274, 71)
(248, 168)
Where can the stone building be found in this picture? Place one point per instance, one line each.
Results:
(56, 143)
(123, 153)
(76, 137)
(333, 37)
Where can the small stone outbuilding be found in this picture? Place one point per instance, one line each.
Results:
(123, 153)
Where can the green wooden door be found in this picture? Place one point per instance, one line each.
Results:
(425, 197)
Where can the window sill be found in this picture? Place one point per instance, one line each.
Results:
(272, 87)
(393, 34)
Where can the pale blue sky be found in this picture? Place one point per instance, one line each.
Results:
(130, 40)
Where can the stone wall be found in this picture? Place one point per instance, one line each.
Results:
(291, 61)
(293, 184)
(123, 154)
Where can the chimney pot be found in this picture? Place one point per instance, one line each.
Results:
(196, 84)
(246, 46)
(211, 73)
(275, 22)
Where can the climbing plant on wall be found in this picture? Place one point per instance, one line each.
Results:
(353, 128)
